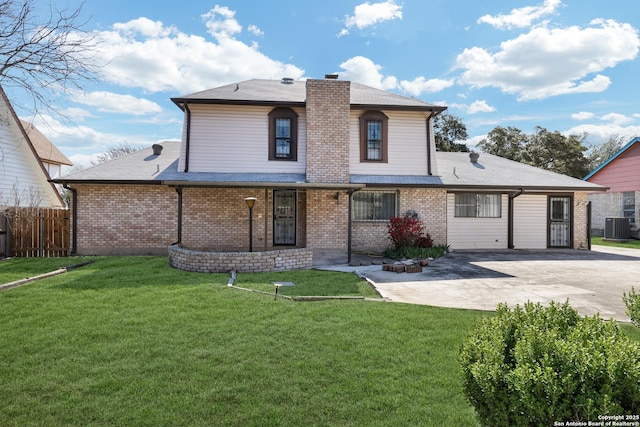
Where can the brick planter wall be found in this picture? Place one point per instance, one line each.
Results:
(247, 262)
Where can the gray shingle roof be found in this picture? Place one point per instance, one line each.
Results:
(276, 92)
(456, 170)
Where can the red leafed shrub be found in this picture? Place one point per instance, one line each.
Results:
(407, 231)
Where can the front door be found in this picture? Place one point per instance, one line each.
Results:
(284, 217)
(559, 222)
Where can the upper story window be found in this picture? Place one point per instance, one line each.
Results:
(283, 134)
(478, 205)
(373, 137)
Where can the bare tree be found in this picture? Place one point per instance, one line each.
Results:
(114, 152)
(43, 50)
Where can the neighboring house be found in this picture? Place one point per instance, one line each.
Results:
(329, 162)
(51, 157)
(23, 176)
(621, 174)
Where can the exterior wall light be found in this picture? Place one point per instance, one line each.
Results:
(251, 201)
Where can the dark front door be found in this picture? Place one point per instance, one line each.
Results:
(284, 217)
(559, 222)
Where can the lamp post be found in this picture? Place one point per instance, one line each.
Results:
(250, 202)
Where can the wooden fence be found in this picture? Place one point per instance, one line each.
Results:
(35, 232)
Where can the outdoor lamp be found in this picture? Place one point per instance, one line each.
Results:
(250, 202)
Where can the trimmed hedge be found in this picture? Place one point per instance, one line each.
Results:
(535, 365)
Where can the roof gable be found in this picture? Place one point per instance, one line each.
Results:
(618, 154)
(21, 170)
(45, 148)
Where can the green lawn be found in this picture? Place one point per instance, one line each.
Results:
(633, 243)
(129, 341)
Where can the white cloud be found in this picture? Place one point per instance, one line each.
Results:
(421, 85)
(369, 14)
(617, 119)
(146, 54)
(363, 70)
(600, 132)
(522, 17)
(114, 103)
(548, 62)
(480, 106)
(76, 114)
(582, 115)
(221, 22)
(255, 30)
(144, 27)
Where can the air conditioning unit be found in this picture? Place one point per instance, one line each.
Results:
(616, 228)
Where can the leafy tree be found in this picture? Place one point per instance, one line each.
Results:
(598, 154)
(506, 142)
(42, 53)
(556, 152)
(449, 129)
(544, 149)
(114, 152)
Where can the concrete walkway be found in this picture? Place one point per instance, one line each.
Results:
(593, 281)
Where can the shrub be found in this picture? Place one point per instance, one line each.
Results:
(405, 231)
(417, 253)
(632, 301)
(536, 365)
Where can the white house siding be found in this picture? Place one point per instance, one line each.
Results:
(530, 221)
(20, 172)
(407, 150)
(477, 233)
(232, 139)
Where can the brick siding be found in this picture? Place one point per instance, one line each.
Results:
(327, 111)
(248, 262)
(431, 206)
(125, 220)
(327, 219)
(580, 220)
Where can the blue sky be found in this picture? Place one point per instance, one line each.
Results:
(566, 65)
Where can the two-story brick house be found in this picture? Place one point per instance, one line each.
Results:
(329, 162)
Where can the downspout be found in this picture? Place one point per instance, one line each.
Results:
(74, 221)
(349, 226)
(179, 191)
(510, 219)
(187, 138)
(429, 143)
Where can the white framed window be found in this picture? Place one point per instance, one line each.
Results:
(478, 205)
(374, 205)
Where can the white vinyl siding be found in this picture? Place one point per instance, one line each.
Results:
(477, 233)
(21, 173)
(407, 145)
(530, 222)
(235, 139)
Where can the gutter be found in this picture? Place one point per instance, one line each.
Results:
(74, 221)
(510, 217)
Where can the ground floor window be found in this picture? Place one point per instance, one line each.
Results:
(374, 205)
(629, 206)
(471, 205)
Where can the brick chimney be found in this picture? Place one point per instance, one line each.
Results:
(327, 110)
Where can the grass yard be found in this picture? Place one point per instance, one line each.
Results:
(633, 243)
(131, 341)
